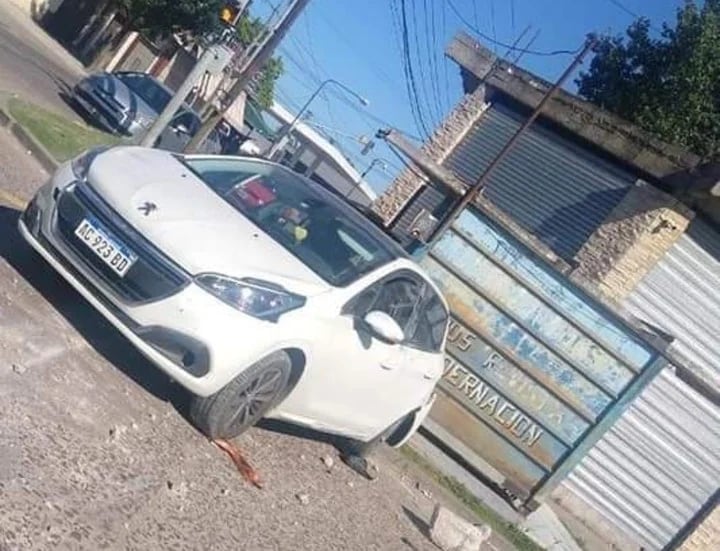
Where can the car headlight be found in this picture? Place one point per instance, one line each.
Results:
(257, 298)
(81, 164)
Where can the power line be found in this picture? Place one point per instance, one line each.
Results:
(433, 48)
(363, 112)
(492, 23)
(408, 69)
(426, 84)
(503, 44)
(632, 14)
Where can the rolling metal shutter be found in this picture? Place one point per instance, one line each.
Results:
(426, 198)
(653, 471)
(553, 188)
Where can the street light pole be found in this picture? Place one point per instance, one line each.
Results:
(372, 165)
(280, 141)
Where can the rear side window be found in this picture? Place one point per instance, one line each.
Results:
(430, 324)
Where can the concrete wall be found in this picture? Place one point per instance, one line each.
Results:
(632, 239)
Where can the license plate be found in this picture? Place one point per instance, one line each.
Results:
(112, 253)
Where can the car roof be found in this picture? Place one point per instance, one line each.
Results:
(159, 83)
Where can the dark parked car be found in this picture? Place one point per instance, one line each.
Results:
(128, 103)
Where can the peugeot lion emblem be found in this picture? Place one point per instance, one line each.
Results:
(147, 207)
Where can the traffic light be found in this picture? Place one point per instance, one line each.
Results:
(230, 11)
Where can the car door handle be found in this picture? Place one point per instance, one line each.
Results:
(387, 366)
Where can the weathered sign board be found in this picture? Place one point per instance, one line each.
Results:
(535, 370)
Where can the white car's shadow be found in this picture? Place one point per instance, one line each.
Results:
(99, 334)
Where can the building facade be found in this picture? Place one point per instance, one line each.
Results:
(601, 200)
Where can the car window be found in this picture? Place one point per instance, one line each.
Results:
(189, 120)
(150, 91)
(399, 298)
(430, 324)
(412, 303)
(331, 239)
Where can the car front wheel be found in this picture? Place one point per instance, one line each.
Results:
(244, 400)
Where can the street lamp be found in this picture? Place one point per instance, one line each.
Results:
(280, 141)
(375, 162)
(383, 165)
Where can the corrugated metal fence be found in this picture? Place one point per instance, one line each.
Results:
(656, 468)
(681, 295)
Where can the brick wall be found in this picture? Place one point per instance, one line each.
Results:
(707, 536)
(445, 138)
(630, 242)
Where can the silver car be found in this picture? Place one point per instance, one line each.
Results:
(128, 103)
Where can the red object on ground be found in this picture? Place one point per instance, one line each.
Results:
(248, 472)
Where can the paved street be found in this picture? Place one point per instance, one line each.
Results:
(33, 65)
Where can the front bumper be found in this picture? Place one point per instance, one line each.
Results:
(97, 112)
(190, 335)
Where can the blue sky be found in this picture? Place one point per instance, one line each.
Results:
(357, 42)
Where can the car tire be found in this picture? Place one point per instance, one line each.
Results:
(391, 435)
(244, 400)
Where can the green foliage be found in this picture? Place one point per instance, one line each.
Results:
(160, 18)
(265, 89)
(249, 29)
(669, 85)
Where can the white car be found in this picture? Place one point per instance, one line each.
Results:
(254, 288)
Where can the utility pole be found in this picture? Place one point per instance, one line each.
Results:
(252, 64)
(479, 185)
(166, 117)
(285, 133)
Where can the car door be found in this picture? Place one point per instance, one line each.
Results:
(357, 383)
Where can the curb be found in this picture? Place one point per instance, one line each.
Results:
(43, 156)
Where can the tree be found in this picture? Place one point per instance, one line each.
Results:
(160, 18)
(669, 85)
(248, 30)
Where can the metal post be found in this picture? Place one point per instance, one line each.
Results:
(280, 139)
(177, 100)
(252, 65)
(476, 188)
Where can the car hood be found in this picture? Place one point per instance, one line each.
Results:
(190, 222)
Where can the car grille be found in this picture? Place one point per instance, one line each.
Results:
(103, 102)
(153, 276)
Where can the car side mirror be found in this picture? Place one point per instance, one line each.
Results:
(182, 129)
(384, 327)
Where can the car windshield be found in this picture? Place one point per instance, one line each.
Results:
(324, 234)
(149, 91)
